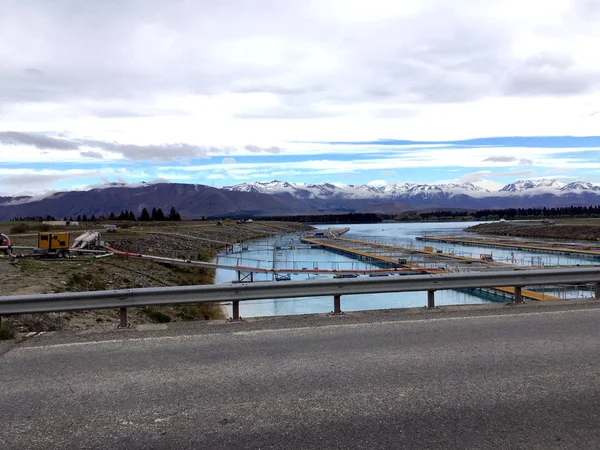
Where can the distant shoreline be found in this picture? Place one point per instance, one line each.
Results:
(585, 230)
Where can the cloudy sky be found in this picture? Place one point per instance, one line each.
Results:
(343, 91)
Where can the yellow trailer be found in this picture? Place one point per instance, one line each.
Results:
(53, 244)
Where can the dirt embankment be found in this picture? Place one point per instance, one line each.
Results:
(184, 241)
(588, 231)
(84, 273)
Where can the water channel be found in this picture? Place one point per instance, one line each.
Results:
(265, 253)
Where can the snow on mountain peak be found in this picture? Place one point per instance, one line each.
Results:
(579, 186)
(408, 191)
(366, 191)
(537, 185)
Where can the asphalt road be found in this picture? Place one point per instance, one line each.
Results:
(528, 381)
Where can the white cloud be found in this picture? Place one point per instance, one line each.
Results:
(169, 82)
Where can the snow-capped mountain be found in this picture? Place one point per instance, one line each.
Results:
(449, 189)
(554, 187)
(538, 185)
(408, 191)
(340, 191)
(580, 186)
(307, 191)
(284, 198)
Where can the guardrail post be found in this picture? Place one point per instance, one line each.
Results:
(518, 295)
(236, 310)
(123, 318)
(337, 304)
(430, 299)
(597, 290)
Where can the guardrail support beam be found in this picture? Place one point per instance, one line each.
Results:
(130, 298)
(430, 299)
(597, 290)
(337, 304)
(518, 295)
(123, 318)
(236, 310)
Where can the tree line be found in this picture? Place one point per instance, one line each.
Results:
(156, 215)
(496, 214)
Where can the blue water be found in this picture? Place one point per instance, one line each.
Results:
(259, 253)
(406, 234)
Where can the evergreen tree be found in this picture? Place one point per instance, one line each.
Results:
(93, 218)
(131, 216)
(111, 216)
(145, 217)
(153, 216)
(84, 218)
(79, 218)
(172, 214)
(160, 215)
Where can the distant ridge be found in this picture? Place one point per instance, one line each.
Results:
(281, 197)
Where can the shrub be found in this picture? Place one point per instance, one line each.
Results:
(20, 228)
(40, 322)
(85, 282)
(190, 275)
(157, 315)
(201, 311)
(206, 255)
(6, 333)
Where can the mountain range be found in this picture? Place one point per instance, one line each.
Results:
(283, 198)
(413, 190)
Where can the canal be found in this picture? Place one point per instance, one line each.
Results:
(287, 252)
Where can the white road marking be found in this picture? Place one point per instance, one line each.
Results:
(326, 327)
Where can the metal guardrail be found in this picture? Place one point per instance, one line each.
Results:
(236, 292)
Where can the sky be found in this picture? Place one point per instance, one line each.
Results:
(339, 91)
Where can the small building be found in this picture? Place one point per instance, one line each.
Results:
(55, 223)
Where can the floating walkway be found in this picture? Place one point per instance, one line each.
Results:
(396, 257)
(390, 261)
(430, 253)
(532, 246)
